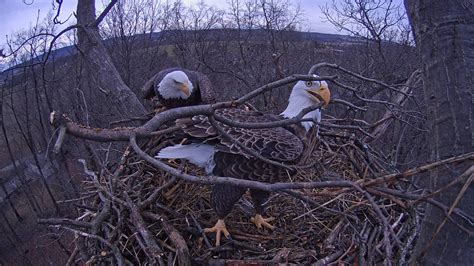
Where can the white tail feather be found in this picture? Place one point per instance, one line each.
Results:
(201, 155)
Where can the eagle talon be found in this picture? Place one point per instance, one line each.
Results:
(218, 229)
(261, 222)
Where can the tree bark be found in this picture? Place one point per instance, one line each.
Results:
(99, 95)
(99, 65)
(444, 34)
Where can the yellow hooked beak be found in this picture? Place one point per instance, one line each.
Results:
(184, 88)
(321, 94)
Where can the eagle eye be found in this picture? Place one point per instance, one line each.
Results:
(309, 83)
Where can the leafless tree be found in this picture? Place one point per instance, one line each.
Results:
(443, 33)
(381, 24)
(376, 20)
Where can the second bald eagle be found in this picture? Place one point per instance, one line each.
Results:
(177, 87)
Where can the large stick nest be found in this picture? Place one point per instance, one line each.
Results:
(312, 225)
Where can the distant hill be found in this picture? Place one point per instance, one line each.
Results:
(173, 36)
(256, 34)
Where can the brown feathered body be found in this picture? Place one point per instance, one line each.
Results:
(277, 144)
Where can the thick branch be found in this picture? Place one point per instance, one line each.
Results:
(176, 238)
(65, 221)
(104, 13)
(146, 130)
(155, 251)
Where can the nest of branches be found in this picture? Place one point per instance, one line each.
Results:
(346, 204)
(135, 213)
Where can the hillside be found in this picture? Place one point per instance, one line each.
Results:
(171, 37)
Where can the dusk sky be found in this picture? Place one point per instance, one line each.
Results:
(20, 14)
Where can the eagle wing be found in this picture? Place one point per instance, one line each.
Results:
(203, 84)
(277, 144)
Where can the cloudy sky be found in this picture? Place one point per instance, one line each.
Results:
(20, 14)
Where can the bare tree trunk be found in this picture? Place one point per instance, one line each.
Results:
(444, 32)
(99, 65)
(99, 95)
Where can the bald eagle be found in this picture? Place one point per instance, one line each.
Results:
(177, 87)
(221, 156)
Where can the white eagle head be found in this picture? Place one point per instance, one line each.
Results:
(175, 85)
(305, 94)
